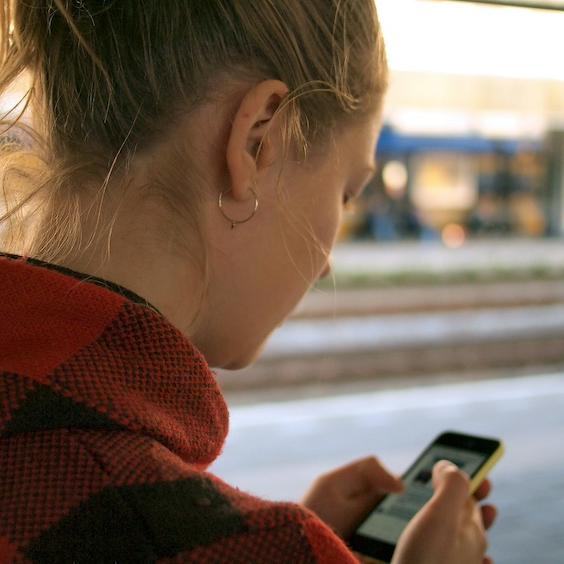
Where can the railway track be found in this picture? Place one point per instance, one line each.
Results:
(378, 335)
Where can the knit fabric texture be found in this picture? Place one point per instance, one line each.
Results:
(109, 419)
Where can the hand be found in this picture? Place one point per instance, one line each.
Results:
(344, 496)
(451, 527)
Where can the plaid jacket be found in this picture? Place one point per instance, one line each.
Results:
(109, 419)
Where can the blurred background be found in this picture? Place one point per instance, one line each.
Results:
(447, 306)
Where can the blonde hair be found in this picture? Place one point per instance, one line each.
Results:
(110, 78)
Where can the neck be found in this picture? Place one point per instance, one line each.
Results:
(132, 244)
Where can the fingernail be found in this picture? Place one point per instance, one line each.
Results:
(443, 465)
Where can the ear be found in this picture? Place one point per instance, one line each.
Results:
(252, 122)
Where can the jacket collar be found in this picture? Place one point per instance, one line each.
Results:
(83, 352)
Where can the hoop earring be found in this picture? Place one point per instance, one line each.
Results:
(235, 222)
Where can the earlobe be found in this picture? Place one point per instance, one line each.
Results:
(251, 128)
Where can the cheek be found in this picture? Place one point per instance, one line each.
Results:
(329, 215)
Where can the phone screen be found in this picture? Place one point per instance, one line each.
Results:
(391, 516)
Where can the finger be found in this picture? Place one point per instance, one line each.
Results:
(483, 490)
(474, 513)
(452, 487)
(477, 517)
(489, 514)
(367, 475)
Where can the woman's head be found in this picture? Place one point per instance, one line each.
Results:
(151, 110)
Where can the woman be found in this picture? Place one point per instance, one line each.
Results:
(179, 192)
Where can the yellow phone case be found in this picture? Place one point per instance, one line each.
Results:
(486, 468)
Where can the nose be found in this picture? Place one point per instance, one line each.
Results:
(326, 271)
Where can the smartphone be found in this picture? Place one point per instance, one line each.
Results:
(378, 533)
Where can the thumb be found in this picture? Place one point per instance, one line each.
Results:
(452, 487)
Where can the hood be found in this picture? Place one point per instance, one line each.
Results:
(82, 352)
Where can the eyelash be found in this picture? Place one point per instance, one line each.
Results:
(348, 202)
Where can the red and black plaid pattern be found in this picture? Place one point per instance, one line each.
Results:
(109, 418)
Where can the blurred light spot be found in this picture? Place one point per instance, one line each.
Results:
(394, 175)
(453, 235)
